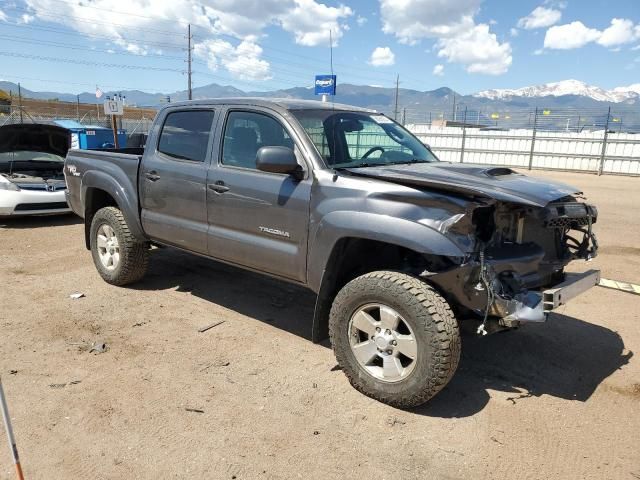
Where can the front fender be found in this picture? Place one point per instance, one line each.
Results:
(123, 191)
(372, 226)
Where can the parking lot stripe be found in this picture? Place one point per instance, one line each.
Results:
(623, 286)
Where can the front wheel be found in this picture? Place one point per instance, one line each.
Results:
(118, 256)
(395, 338)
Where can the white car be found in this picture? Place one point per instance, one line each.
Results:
(31, 169)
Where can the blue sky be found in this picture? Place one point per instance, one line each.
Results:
(468, 45)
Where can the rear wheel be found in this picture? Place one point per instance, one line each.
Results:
(395, 338)
(118, 256)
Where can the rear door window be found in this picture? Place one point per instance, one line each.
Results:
(185, 135)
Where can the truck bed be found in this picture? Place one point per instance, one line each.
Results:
(84, 168)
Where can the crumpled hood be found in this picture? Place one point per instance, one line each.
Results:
(35, 137)
(499, 183)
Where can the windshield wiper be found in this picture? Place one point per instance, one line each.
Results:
(413, 160)
(358, 165)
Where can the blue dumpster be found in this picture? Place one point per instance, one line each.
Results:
(90, 136)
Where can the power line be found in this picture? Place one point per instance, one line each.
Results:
(349, 71)
(116, 11)
(86, 62)
(274, 60)
(111, 52)
(49, 13)
(71, 46)
(93, 36)
(88, 84)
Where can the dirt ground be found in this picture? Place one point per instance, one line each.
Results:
(559, 400)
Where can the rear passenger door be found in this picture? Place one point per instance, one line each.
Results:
(173, 192)
(257, 219)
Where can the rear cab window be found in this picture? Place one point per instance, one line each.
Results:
(185, 135)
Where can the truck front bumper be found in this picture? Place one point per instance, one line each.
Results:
(534, 306)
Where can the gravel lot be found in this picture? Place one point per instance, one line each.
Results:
(558, 400)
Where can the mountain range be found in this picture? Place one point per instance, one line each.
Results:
(629, 94)
(419, 105)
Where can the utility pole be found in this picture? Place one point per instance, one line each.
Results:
(453, 116)
(604, 143)
(189, 37)
(464, 135)
(20, 101)
(78, 107)
(404, 116)
(533, 138)
(395, 109)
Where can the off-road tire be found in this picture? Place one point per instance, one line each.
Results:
(429, 316)
(134, 255)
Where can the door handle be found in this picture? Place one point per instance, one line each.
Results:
(152, 175)
(219, 187)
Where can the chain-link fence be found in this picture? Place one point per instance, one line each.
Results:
(134, 121)
(619, 118)
(564, 139)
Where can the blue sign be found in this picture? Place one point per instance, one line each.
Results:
(325, 84)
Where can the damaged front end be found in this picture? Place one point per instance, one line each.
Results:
(515, 271)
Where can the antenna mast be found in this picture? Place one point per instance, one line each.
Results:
(395, 109)
(331, 50)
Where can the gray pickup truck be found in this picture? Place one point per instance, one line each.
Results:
(399, 247)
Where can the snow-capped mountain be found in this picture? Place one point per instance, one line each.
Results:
(629, 94)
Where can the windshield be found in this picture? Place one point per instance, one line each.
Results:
(360, 139)
(27, 156)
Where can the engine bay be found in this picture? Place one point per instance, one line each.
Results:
(45, 177)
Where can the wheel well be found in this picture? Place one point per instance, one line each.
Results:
(352, 257)
(95, 199)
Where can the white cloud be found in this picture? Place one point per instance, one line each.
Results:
(570, 35)
(243, 61)
(26, 19)
(412, 20)
(514, 32)
(3, 16)
(575, 35)
(310, 22)
(479, 50)
(382, 57)
(360, 20)
(438, 70)
(620, 31)
(541, 17)
(451, 22)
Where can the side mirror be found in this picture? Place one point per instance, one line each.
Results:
(278, 160)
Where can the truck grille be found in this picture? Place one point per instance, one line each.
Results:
(569, 215)
(41, 187)
(567, 222)
(25, 207)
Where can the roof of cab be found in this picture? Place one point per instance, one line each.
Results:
(282, 103)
